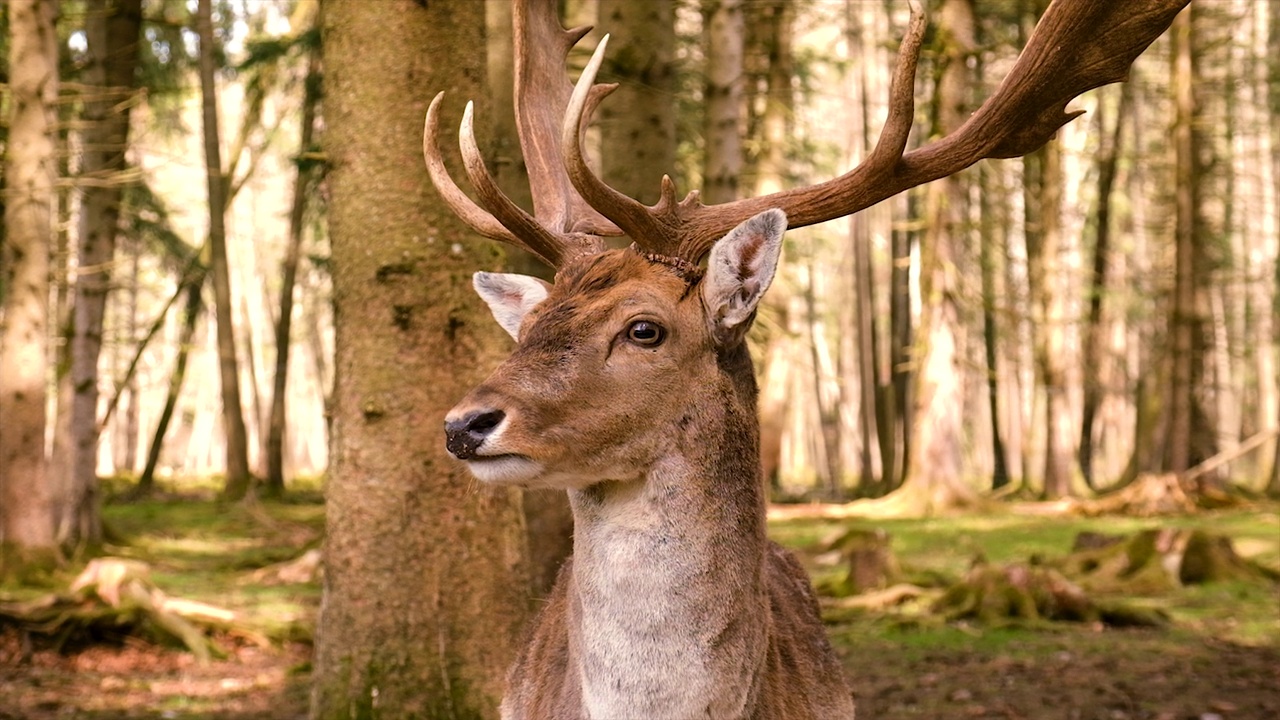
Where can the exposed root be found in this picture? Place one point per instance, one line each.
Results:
(114, 597)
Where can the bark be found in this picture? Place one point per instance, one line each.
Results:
(896, 410)
(425, 583)
(872, 475)
(990, 330)
(1044, 245)
(934, 473)
(27, 516)
(274, 482)
(1190, 437)
(1108, 163)
(638, 123)
(238, 480)
(111, 31)
(776, 21)
(723, 33)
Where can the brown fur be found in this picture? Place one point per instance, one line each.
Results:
(666, 440)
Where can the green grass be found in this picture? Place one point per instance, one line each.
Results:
(943, 548)
(207, 551)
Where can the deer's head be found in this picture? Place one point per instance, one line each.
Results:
(603, 350)
(609, 359)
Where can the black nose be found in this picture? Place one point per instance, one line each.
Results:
(465, 435)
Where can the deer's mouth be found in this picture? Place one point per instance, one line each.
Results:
(504, 469)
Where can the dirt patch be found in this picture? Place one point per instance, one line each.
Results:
(1115, 675)
(140, 681)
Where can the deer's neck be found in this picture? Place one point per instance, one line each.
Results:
(667, 599)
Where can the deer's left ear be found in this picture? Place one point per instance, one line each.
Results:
(739, 270)
(510, 297)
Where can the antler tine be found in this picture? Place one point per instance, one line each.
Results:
(473, 215)
(542, 93)
(643, 224)
(1078, 45)
(542, 242)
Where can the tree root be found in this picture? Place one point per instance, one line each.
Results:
(115, 597)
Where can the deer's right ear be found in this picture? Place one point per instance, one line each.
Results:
(510, 297)
(739, 270)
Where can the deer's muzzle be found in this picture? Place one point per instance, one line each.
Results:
(464, 436)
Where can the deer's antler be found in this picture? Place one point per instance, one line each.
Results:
(1078, 45)
(563, 224)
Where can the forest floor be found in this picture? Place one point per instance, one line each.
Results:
(1218, 659)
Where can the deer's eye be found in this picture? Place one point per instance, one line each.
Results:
(646, 333)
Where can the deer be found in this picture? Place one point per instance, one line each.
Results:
(631, 387)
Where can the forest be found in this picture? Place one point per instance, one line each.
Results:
(1020, 421)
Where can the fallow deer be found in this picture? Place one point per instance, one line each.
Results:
(631, 386)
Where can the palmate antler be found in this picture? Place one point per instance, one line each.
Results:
(1078, 45)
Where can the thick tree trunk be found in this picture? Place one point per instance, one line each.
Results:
(237, 485)
(27, 515)
(111, 31)
(425, 587)
(723, 35)
(274, 482)
(638, 124)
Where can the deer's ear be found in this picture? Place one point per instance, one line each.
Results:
(739, 270)
(510, 297)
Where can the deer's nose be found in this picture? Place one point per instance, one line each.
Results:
(465, 435)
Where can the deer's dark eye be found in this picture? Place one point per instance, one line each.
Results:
(648, 334)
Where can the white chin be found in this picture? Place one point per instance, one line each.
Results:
(505, 470)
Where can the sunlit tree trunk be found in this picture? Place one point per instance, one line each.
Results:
(425, 588)
(723, 33)
(860, 34)
(638, 124)
(1095, 333)
(238, 480)
(935, 475)
(111, 32)
(27, 515)
(1189, 437)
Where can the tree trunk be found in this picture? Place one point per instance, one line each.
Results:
(1044, 244)
(723, 34)
(238, 480)
(934, 476)
(425, 587)
(990, 332)
(1190, 438)
(191, 285)
(638, 124)
(111, 31)
(274, 483)
(871, 469)
(27, 515)
(1108, 163)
